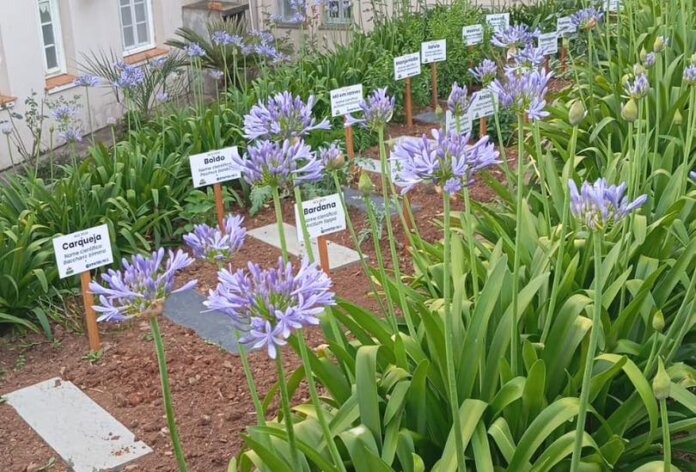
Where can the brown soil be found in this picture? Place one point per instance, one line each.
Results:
(212, 402)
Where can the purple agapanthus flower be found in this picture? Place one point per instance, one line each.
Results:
(524, 93)
(130, 76)
(377, 108)
(639, 88)
(332, 156)
(142, 283)
(692, 174)
(71, 135)
(86, 81)
(599, 204)
(269, 305)
(587, 19)
(485, 72)
(63, 112)
(527, 59)
(650, 60)
(515, 37)
(162, 97)
(216, 245)
(194, 50)
(158, 62)
(447, 159)
(690, 75)
(268, 163)
(6, 128)
(458, 101)
(266, 51)
(216, 74)
(223, 38)
(283, 116)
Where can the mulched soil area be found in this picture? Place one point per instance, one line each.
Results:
(212, 402)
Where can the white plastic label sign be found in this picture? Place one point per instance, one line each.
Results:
(499, 22)
(82, 251)
(548, 43)
(482, 105)
(472, 35)
(434, 51)
(565, 26)
(323, 215)
(406, 66)
(612, 5)
(463, 121)
(215, 166)
(346, 100)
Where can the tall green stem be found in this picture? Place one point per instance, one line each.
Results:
(514, 334)
(450, 339)
(279, 222)
(666, 440)
(167, 394)
(287, 413)
(598, 241)
(303, 225)
(472, 244)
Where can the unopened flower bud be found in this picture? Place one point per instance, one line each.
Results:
(365, 184)
(643, 55)
(658, 321)
(577, 113)
(629, 111)
(439, 113)
(693, 59)
(678, 119)
(661, 383)
(625, 79)
(638, 70)
(336, 163)
(659, 44)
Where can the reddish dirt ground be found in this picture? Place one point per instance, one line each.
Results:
(211, 398)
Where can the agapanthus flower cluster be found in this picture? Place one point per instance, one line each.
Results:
(639, 88)
(269, 163)
(514, 37)
(690, 75)
(142, 283)
(71, 135)
(524, 93)
(332, 156)
(86, 81)
(223, 38)
(162, 97)
(6, 128)
(282, 117)
(599, 204)
(129, 76)
(458, 100)
(297, 13)
(216, 245)
(447, 159)
(159, 62)
(377, 109)
(269, 305)
(194, 51)
(587, 19)
(63, 112)
(526, 59)
(216, 74)
(650, 60)
(485, 72)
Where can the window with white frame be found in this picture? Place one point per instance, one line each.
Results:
(339, 12)
(49, 20)
(136, 24)
(287, 10)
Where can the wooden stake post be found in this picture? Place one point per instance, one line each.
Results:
(90, 315)
(349, 140)
(219, 206)
(483, 126)
(564, 57)
(433, 70)
(408, 104)
(323, 254)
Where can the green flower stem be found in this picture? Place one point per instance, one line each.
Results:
(258, 406)
(471, 243)
(537, 146)
(89, 116)
(666, 440)
(287, 413)
(356, 243)
(390, 233)
(558, 270)
(514, 332)
(380, 263)
(331, 444)
(450, 339)
(303, 224)
(691, 122)
(501, 144)
(279, 222)
(598, 241)
(679, 328)
(167, 394)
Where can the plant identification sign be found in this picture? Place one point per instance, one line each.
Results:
(434, 51)
(346, 100)
(214, 167)
(499, 22)
(83, 251)
(612, 5)
(548, 43)
(482, 105)
(565, 26)
(472, 35)
(323, 215)
(462, 122)
(406, 66)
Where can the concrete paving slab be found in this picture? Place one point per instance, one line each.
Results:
(187, 309)
(339, 256)
(355, 200)
(428, 117)
(85, 436)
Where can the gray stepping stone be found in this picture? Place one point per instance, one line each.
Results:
(339, 256)
(186, 309)
(85, 436)
(428, 117)
(355, 200)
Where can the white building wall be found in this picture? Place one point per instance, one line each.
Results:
(86, 26)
